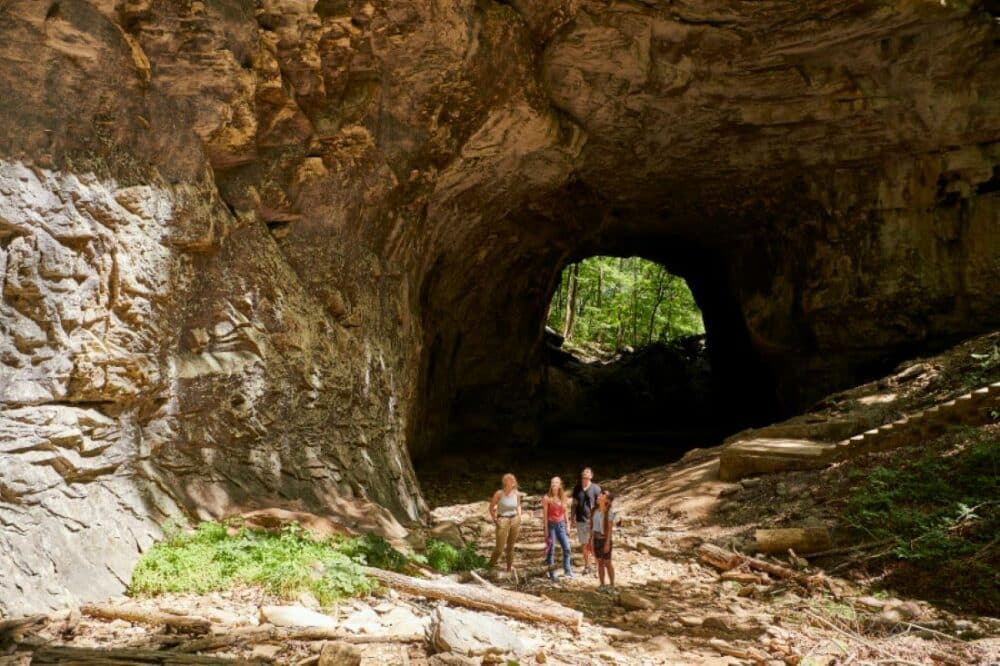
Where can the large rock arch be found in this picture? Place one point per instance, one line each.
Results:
(249, 250)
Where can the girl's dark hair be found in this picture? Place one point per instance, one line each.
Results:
(607, 512)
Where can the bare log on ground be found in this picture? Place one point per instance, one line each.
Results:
(184, 624)
(269, 633)
(720, 558)
(91, 656)
(802, 540)
(749, 653)
(260, 634)
(514, 604)
(318, 634)
(726, 560)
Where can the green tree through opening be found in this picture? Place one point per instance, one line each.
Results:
(605, 303)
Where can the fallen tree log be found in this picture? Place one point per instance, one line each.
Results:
(802, 540)
(720, 558)
(727, 560)
(184, 624)
(271, 634)
(92, 656)
(514, 604)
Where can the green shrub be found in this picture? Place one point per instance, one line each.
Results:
(375, 551)
(942, 512)
(937, 506)
(445, 558)
(286, 563)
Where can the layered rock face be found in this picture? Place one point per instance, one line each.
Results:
(264, 252)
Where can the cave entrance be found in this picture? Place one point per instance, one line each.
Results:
(626, 359)
(502, 389)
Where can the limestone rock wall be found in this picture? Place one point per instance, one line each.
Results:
(262, 252)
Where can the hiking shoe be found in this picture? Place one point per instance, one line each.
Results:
(552, 576)
(568, 574)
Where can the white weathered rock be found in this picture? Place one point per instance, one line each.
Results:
(470, 633)
(295, 616)
(401, 621)
(363, 621)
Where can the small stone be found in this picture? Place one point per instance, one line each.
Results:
(653, 618)
(635, 601)
(890, 616)
(338, 653)
(722, 622)
(909, 610)
(266, 650)
(872, 602)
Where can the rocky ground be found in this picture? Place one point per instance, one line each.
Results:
(670, 606)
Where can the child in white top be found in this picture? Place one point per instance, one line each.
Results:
(602, 525)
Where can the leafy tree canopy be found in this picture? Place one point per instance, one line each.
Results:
(606, 303)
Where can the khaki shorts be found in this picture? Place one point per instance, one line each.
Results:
(583, 533)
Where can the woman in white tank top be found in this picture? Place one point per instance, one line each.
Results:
(505, 510)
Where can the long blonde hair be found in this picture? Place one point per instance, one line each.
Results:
(562, 495)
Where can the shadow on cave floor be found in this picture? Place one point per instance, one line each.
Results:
(457, 477)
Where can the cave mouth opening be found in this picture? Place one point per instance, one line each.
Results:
(509, 384)
(626, 358)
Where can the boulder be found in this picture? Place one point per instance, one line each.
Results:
(401, 621)
(363, 621)
(473, 634)
(448, 532)
(295, 616)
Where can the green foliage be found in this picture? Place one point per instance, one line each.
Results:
(289, 562)
(611, 302)
(445, 558)
(285, 563)
(942, 512)
(986, 367)
(374, 551)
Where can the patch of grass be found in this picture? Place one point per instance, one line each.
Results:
(285, 563)
(445, 558)
(943, 513)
